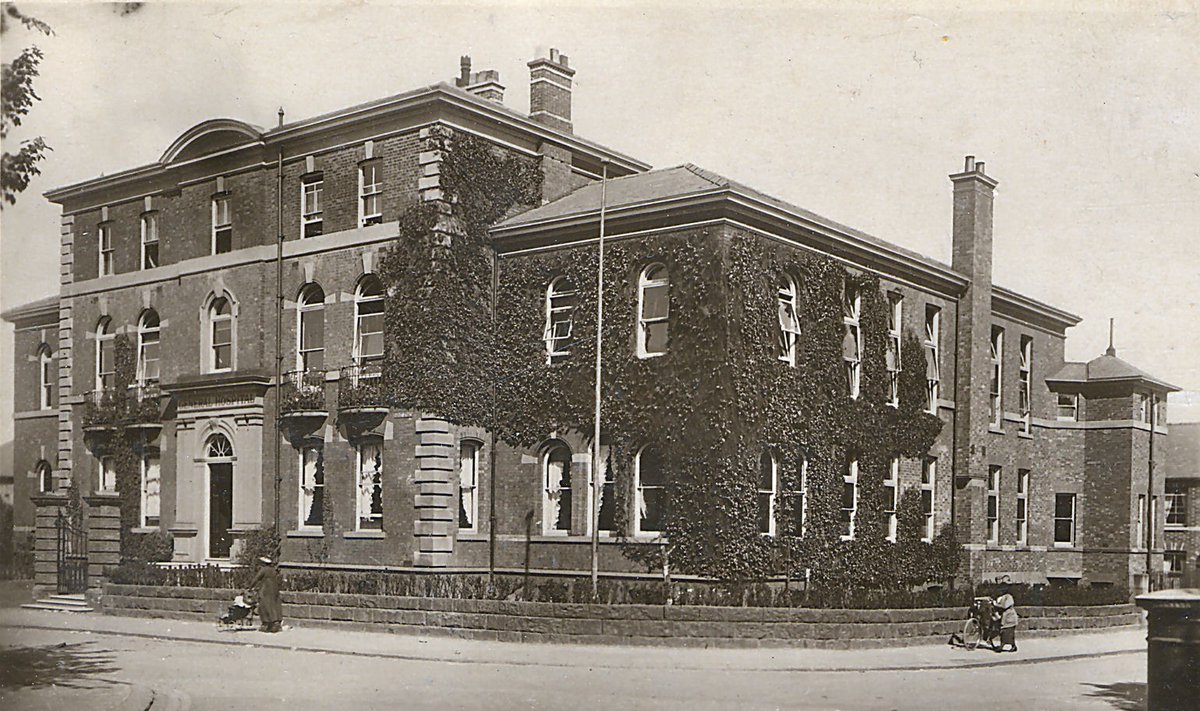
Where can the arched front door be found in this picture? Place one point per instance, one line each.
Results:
(219, 453)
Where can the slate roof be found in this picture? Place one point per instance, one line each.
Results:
(680, 181)
(1106, 369)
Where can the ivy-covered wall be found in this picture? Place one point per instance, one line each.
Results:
(712, 404)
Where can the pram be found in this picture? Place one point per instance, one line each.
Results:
(240, 614)
(982, 625)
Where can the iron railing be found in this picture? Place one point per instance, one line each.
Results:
(361, 386)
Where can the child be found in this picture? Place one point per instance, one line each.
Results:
(1008, 618)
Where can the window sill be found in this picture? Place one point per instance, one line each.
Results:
(1064, 546)
(1024, 435)
(465, 535)
(995, 429)
(365, 534)
(306, 533)
(145, 529)
(652, 537)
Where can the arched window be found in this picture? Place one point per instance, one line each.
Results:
(105, 360)
(852, 339)
(560, 311)
(650, 483)
(789, 321)
(768, 486)
(220, 335)
(147, 354)
(556, 488)
(468, 485)
(45, 477)
(219, 447)
(370, 484)
(310, 329)
(368, 325)
(45, 377)
(654, 286)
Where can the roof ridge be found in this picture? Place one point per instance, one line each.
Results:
(716, 179)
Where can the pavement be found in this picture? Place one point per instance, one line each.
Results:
(52, 660)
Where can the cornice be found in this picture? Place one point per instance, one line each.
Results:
(409, 102)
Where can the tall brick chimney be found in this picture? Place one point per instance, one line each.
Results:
(972, 255)
(550, 91)
(484, 84)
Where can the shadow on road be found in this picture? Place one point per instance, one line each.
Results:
(79, 666)
(1123, 695)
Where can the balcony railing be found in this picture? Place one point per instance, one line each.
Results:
(303, 391)
(361, 387)
(111, 407)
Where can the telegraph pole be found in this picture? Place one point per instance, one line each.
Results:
(597, 484)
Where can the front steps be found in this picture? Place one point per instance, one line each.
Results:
(60, 603)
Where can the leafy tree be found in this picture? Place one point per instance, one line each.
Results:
(18, 97)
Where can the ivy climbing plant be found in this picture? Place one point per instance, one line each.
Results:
(117, 411)
(712, 405)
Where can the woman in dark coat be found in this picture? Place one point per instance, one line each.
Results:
(270, 607)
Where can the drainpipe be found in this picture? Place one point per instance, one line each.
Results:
(278, 330)
(1152, 512)
(492, 438)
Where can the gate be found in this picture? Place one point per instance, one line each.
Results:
(72, 552)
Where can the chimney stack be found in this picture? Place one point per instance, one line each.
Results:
(972, 257)
(550, 91)
(485, 84)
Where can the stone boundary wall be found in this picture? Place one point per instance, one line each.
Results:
(656, 625)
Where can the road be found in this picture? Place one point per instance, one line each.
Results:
(202, 675)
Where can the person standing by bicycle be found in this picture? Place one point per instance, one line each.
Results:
(1007, 608)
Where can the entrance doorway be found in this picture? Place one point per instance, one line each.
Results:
(220, 509)
(220, 496)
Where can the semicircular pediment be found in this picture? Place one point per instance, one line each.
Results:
(210, 137)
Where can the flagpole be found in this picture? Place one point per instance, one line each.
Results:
(597, 484)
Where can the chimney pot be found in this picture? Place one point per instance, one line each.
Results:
(553, 55)
(969, 165)
(979, 168)
(464, 70)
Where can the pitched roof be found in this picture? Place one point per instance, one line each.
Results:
(680, 181)
(1107, 368)
(688, 181)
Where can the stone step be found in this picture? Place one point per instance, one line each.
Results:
(59, 605)
(69, 598)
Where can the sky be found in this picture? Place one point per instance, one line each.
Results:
(1090, 120)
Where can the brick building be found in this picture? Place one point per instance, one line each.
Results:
(1042, 465)
(1181, 478)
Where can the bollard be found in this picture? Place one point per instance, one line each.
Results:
(1173, 654)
